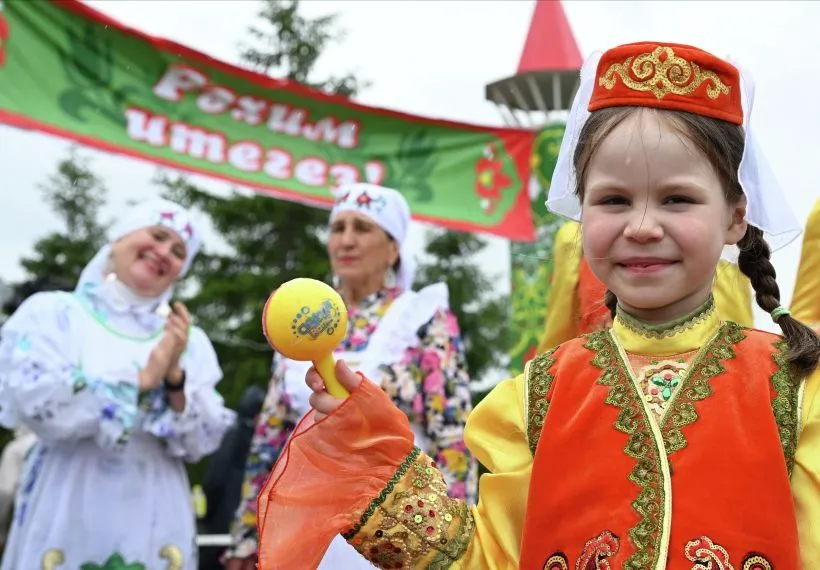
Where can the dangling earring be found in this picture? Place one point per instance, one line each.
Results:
(336, 281)
(390, 278)
(110, 276)
(163, 310)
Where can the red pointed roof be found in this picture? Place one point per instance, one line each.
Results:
(550, 45)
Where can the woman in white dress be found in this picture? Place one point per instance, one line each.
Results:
(408, 342)
(120, 390)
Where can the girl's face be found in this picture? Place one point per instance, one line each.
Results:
(655, 219)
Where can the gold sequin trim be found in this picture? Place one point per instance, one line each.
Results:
(647, 473)
(696, 387)
(557, 561)
(754, 561)
(661, 72)
(634, 421)
(785, 404)
(707, 555)
(539, 381)
(598, 551)
(420, 527)
(670, 329)
(375, 503)
(710, 556)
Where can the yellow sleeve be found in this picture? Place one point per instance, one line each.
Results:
(413, 524)
(561, 323)
(497, 435)
(806, 475)
(733, 294)
(806, 298)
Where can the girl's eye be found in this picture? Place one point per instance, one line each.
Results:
(679, 200)
(613, 201)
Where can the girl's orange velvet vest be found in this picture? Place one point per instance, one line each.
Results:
(709, 482)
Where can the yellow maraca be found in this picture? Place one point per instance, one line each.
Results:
(306, 320)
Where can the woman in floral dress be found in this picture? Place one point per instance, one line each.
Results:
(407, 342)
(120, 392)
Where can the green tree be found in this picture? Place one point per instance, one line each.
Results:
(288, 45)
(76, 195)
(268, 241)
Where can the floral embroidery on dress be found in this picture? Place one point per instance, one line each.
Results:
(429, 383)
(710, 556)
(114, 562)
(707, 555)
(659, 381)
(36, 456)
(121, 405)
(67, 377)
(598, 551)
(413, 523)
(54, 558)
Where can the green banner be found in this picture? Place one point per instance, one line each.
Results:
(68, 70)
(531, 270)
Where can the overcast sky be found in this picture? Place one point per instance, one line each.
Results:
(434, 57)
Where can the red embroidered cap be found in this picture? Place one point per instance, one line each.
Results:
(668, 76)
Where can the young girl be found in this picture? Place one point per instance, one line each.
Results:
(672, 440)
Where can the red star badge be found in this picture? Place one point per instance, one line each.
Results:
(364, 199)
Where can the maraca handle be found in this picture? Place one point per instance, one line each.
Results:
(326, 367)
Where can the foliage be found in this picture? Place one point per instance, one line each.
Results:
(288, 45)
(76, 195)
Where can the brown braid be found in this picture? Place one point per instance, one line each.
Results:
(754, 262)
(611, 302)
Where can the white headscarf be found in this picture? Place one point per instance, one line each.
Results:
(387, 208)
(110, 295)
(767, 208)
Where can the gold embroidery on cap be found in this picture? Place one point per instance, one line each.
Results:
(663, 76)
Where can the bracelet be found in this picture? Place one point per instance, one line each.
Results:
(174, 386)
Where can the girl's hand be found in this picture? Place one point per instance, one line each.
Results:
(323, 402)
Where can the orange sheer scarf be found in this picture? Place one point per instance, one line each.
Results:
(329, 472)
